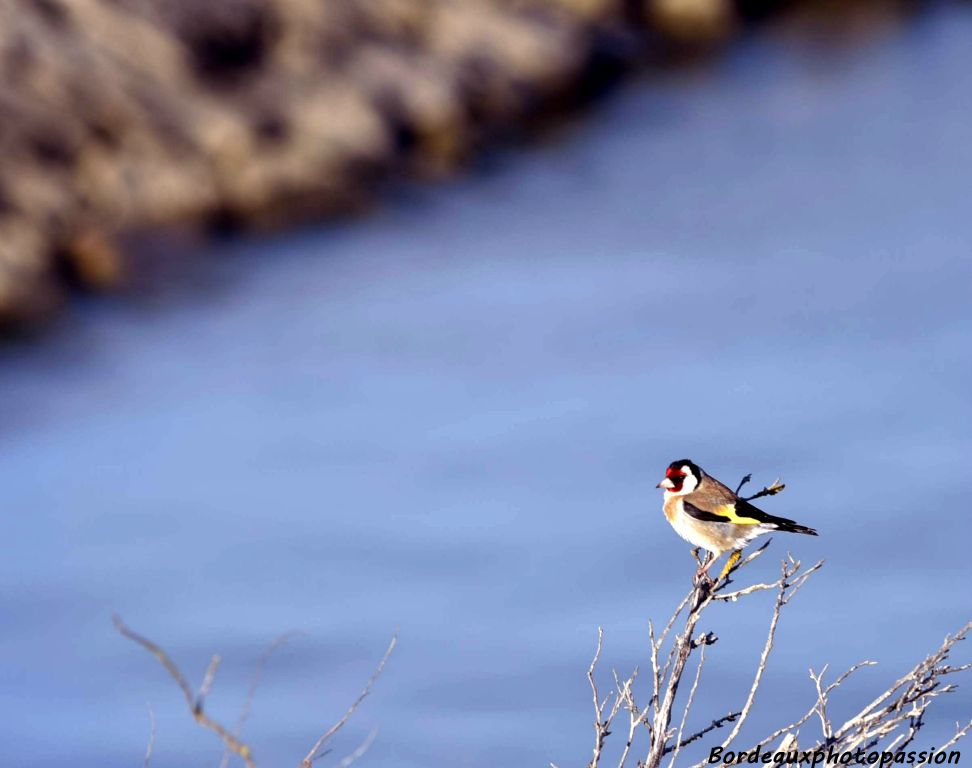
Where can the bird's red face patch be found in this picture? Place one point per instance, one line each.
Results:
(677, 477)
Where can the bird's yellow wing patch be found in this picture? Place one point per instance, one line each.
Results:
(732, 516)
(724, 513)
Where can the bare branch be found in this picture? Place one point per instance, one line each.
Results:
(901, 707)
(785, 729)
(346, 761)
(892, 719)
(208, 679)
(719, 722)
(790, 743)
(231, 742)
(809, 713)
(315, 750)
(959, 733)
(742, 482)
(786, 572)
(741, 564)
(159, 654)
(655, 670)
(731, 597)
(151, 742)
(261, 664)
(602, 724)
(666, 678)
(600, 730)
(770, 490)
(682, 647)
(663, 674)
(825, 726)
(688, 706)
(931, 661)
(840, 680)
(636, 716)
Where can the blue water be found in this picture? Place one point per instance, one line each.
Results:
(449, 419)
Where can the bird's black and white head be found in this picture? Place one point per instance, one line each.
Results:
(681, 477)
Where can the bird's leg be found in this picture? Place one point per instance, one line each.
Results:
(703, 572)
(710, 562)
(734, 558)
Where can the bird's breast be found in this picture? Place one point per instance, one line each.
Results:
(672, 508)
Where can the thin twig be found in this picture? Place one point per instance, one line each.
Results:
(719, 722)
(599, 729)
(787, 589)
(959, 733)
(359, 752)
(769, 490)
(692, 598)
(668, 628)
(208, 679)
(681, 649)
(638, 717)
(655, 670)
(261, 664)
(780, 731)
(742, 563)
(602, 724)
(895, 716)
(688, 706)
(231, 742)
(742, 482)
(901, 706)
(825, 726)
(151, 742)
(315, 750)
(763, 658)
(840, 680)
(159, 654)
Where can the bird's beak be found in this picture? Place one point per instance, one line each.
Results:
(666, 483)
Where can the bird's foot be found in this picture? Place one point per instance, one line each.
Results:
(703, 579)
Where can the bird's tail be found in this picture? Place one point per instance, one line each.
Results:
(791, 526)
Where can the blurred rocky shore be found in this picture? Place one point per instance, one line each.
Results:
(120, 117)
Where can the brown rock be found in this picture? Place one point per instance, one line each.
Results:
(126, 115)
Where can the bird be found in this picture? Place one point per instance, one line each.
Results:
(710, 515)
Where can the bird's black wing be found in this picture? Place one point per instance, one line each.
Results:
(706, 515)
(742, 512)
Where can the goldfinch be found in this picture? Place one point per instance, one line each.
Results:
(707, 514)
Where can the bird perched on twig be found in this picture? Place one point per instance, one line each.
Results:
(709, 515)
